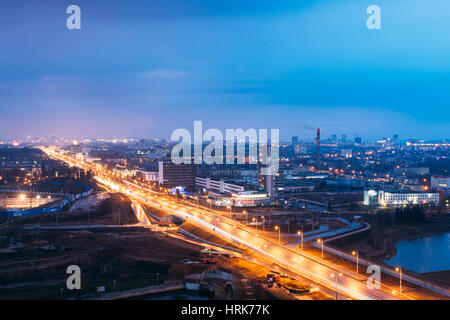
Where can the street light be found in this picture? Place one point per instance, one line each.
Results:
(356, 253)
(300, 234)
(229, 207)
(263, 220)
(336, 279)
(279, 234)
(256, 224)
(246, 216)
(321, 241)
(254, 240)
(400, 271)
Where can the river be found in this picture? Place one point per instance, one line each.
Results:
(421, 255)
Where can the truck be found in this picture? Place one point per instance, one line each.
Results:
(273, 279)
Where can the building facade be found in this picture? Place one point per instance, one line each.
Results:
(390, 199)
(217, 185)
(440, 183)
(172, 175)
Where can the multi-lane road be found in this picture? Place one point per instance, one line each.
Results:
(297, 261)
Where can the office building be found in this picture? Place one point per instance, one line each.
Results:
(172, 175)
(390, 199)
(217, 185)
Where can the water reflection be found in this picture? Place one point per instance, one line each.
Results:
(428, 254)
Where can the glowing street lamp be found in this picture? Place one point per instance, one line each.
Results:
(229, 207)
(356, 253)
(279, 234)
(336, 279)
(399, 270)
(300, 234)
(256, 225)
(321, 241)
(254, 240)
(263, 220)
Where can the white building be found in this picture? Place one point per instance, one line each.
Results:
(300, 149)
(251, 199)
(346, 153)
(147, 175)
(440, 183)
(388, 199)
(217, 186)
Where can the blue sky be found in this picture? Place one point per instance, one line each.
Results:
(145, 68)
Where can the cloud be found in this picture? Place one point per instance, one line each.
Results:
(164, 74)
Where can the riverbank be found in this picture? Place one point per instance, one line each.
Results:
(380, 242)
(423, 254)
(379, 245)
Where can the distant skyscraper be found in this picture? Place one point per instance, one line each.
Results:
(334, 138)
(172, 175)
(265, 182)
(318, 146)
(358, 140)
(53, 139)
(272, 184)
(76, 147)
(344, 138)
(294, 140)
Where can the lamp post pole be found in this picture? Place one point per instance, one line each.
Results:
(300, 234)
(321, 242)
(399, 270)
(279, 234)
(356, 253)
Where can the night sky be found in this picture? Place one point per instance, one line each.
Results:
(145, 68)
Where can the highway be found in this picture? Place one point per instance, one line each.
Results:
(296, 261)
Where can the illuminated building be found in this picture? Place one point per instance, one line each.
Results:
(389, 199)
(172, 175)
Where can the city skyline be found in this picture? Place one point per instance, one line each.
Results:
(283, 140)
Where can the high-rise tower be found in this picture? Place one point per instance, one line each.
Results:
(318, 146)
